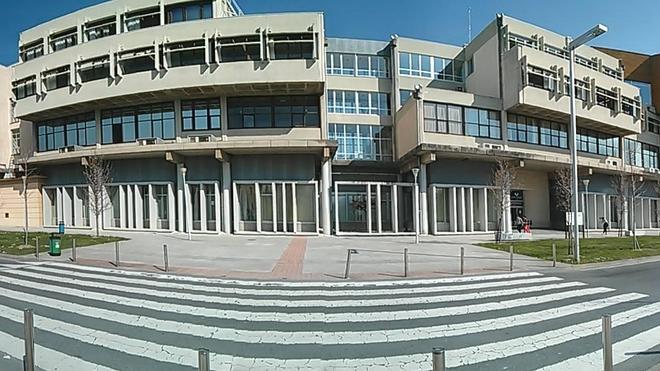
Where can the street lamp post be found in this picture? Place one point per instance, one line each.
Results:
(415, 172)
(185, 202)
(585, 208)
(571, 45)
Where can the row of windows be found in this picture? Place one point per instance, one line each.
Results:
(536, 131)
(70, 131)
(411, 64)
(142, 122)
(359, 102)
(131, 21)
(640, 154)
(452, 119)
(357, 65)
(597, 143)
(273, 112)
(362, 142)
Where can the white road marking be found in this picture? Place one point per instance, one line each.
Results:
(308, 303)
(621, 351)
(323, 284)
(308, 292)
(326, 338)
(312, 316)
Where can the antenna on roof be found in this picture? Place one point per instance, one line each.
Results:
(469, 24)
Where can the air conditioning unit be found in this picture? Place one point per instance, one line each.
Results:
(498, 147)
(611, 162)
(69, 149)
(149, 141)
(652, 170)
(203, 138)
(459, 88)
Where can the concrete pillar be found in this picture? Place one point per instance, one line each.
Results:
(170, 207)
(506, 213)
(179, 198)
(462, 205)
(484, 209)
(423, 201)
(122, 206)
(470, 209)
(625, 220)
(130, 207)
(452, 210)
(326, 188)
(139, 213)
(226, 196)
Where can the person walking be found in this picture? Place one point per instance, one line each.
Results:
(606, 225)
(519, 224)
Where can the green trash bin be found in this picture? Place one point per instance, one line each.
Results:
(54, 244)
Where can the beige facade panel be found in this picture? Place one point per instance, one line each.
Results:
(485, 80)
(359, 84)
(12, 203)
(6, 124)
(337, 118)
(407, 130)
(427, 48)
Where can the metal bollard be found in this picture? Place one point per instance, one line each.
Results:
(166, 258)
(554, 255)
(203, 360)
(438, 359)
(74, 255)
(405, 262)
(116, 253)
(462, 260)
(511, 258)
(608, 364)
(348, 263)
(36, 243)
(28, 336)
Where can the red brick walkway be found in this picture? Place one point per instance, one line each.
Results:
(290, 264)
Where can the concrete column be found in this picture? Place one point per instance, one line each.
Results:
(506, 217)
(625, 220)
(130, 207)
(484, 209)
(77, 208)
(202, 207)
(452, 210)
(139, 213)
(423, 201)
(153, 209)
(170, 207)
(122, 206)
(462, 204)
(326, 187)
(179, 198)
(218, 209)
(470, 208)
(226, 197)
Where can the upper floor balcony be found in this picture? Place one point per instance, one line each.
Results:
(536, 83)
(245, 55)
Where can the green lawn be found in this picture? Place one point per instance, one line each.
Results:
(12, 243)
(592, 250)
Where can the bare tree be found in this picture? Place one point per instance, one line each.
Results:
(634, 183)
(98, 175)
(619, 184)
(563, 194)
(504, 175)
(27, 171)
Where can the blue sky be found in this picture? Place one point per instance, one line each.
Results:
(633, 24)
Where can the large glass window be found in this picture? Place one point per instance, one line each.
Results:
(64, 39)
(411, 64)
(25, 88)
(201, 114)
(541, 78)
(273, 111)
(443, 118)
(100, 29)
(597, 143)
(606, 98)
(16, 142)
(366, 103)
(482, 123)
(57, 78)
(143, 122)
(641, 154)
(535, 131)
(137, 60)
(94, 69)
(140, 19)
(77, 130)
(293, 46)
(240, 48)
(362, 142)
(189, 11)
(187, 53)
(367, 65)
(32, 50)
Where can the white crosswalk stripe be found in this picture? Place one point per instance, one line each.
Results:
(153, 322)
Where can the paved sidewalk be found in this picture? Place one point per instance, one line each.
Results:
(303, 258)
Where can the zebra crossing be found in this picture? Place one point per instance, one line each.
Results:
(89, 318)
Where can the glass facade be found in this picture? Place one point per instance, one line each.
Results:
(143, 122)
(201, 114)
(640, 154)
(452, 119)
(77, 130)
(597, 143)
(344, 64)
(273, 112)
(419, 65)
(536, 131)
(359, 102)
(362, 142)
(189, 11)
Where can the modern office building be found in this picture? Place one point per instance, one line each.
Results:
(215, 121)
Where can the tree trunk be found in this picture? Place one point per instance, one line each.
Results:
(97, 225)
(25, 207)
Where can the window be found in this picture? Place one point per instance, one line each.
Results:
(649, 156)
(365, 103)
(582, 89)
(189, 11)
(57, 78)
(541, 78)
(482, 123)
(273, 111)
(443, 118)
(94, 69)
(188, 53)
(32, 50)
(25, 88)
(367, 65)
(16, 142)
(142, 19)
(293, 46)
(69, 131)
(597, 143)
(430, 67)
(469, 67)
(201, 114)
(362, 142)
(606, 98)
(64, 39)
(631, 107)
(142, 122)
(633, 152)
(100, 29)
(536, 131)
(653, 125)
(240, 48)
(136, 60)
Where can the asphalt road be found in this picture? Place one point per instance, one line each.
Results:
(95, 319)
